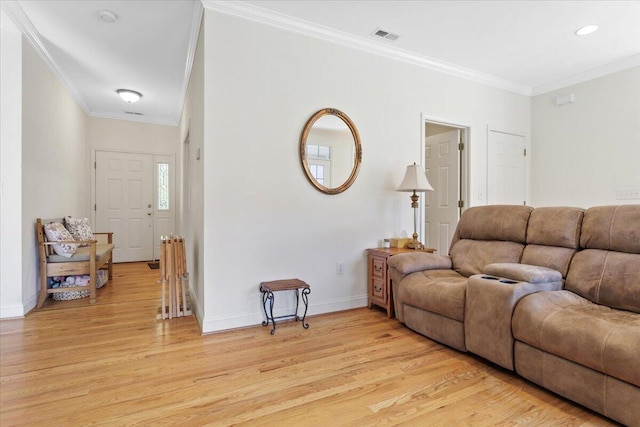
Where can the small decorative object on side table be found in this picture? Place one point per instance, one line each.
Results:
(379, 283)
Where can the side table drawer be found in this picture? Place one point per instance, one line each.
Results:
(379, 289)
(379, 267)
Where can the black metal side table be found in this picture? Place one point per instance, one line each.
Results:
(268, 288)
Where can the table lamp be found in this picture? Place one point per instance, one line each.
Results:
(415, 181)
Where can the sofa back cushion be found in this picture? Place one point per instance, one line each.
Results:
(607, 271)
(489, 234)
(553, 237)
(470, 257)
(493, 222)
(612, 228)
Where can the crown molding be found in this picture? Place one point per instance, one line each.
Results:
(196, 22)
(613, 67)
(24, 24)
(261, 15)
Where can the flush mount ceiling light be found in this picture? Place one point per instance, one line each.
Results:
(129, 95)
(588, 29)
(108, 16)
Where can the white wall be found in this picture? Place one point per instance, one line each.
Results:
(54, 151)
(10, 168)
(583, 152)
(263, 220)
(190, 216)
(129, 136)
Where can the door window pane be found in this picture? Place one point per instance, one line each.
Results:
(163, 186)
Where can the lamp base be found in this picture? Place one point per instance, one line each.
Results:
(415, 243)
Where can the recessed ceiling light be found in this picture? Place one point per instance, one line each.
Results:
(129, 95)
(108, 16)
(588, 29)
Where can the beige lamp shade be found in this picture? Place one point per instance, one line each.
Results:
(415, 180)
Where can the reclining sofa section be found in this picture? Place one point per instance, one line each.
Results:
(552, 293)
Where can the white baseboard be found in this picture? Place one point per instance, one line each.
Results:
(15, 311)
(19, 310)
(196, 307)
(217, 324)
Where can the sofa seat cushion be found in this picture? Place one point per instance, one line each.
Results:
(83, 253)
(438, 291)
(569, 326)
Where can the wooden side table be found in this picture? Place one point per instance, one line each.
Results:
(379, 285)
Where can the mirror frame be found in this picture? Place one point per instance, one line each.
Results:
(356, 141)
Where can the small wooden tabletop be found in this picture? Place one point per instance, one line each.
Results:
(394, 251)
(283, 285)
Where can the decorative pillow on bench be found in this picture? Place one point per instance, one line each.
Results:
(56, 232)
(79, 228)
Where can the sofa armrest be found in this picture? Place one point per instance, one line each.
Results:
(400, 265)
(523, 272)
(108, 235)
(407, 263)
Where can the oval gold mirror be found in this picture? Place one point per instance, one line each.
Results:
(330, 151)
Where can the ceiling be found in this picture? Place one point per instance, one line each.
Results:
(146, 49)
(528, 47)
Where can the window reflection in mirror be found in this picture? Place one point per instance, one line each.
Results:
(330, 151)
(319, 160)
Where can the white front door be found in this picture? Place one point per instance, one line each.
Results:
(124, 203)
(441, 206)
(506, 168)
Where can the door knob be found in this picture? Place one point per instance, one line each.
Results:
(149, 213)
(149, 206)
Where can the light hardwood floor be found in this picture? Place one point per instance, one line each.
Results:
(114, 364)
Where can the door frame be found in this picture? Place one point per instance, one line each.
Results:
(527, 168)
(463, 170)
(154, 188)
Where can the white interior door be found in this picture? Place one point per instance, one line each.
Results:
(441, 206)
(506, 168)
(124, 203)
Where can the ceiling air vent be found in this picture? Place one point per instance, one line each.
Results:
(385, 34)
(134, 113)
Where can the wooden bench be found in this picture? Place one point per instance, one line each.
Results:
(87, 260)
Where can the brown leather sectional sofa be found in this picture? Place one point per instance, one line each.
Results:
(552, 293)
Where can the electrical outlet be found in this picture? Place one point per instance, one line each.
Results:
(339, 268)
(628, 193)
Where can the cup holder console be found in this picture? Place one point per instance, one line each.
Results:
(505, 281)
